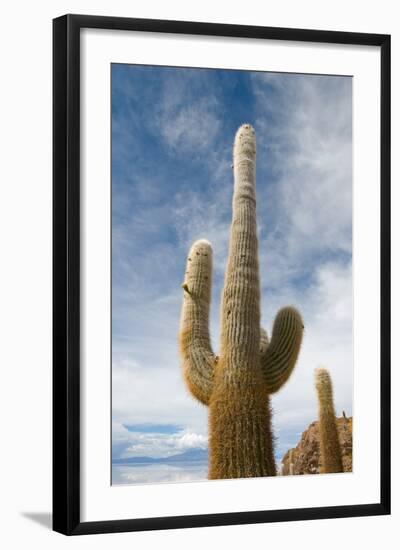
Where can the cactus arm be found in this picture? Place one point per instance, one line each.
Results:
(280, 356)
(196, 353)
(331, 454)
(264, 342)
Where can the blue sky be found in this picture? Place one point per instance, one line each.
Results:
(172, 137)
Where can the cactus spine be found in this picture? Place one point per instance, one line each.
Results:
(331, 454)
(236, 386)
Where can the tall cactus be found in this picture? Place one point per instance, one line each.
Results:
(236, 386)
(331, 453)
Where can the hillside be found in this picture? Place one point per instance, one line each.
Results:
(306, 454)
(192, 455)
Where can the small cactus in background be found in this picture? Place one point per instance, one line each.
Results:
(331, 453)
(236, 386)
(291, 465)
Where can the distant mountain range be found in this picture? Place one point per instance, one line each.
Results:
(192, 455)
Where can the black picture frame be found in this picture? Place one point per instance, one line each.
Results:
(66, 273)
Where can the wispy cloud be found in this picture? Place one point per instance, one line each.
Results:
(187, 117)
(306, 138)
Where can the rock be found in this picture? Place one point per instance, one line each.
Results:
(305, 456)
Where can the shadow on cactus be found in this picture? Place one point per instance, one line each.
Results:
(236, 385)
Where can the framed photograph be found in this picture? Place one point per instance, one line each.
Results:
(221, 274)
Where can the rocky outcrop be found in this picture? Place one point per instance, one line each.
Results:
(305, 457)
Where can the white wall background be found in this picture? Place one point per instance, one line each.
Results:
(25, 287)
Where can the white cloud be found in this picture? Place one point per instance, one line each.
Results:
(156, 445)
(155, 393)
(152, 444)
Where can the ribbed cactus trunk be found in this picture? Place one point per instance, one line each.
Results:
(239, 419)
(236, 386)
(331, 452)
